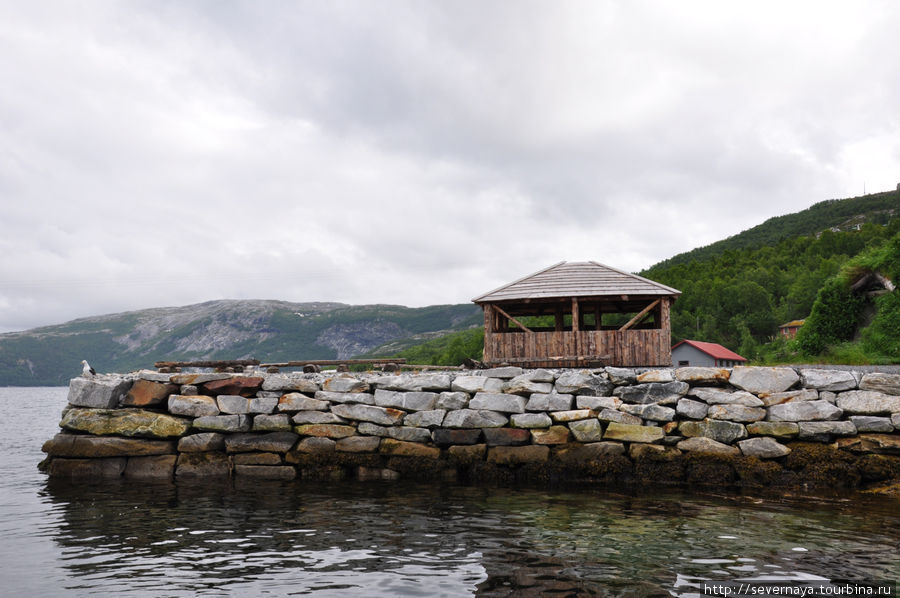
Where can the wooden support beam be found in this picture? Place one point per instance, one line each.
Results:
(640, 315)
(513, 320)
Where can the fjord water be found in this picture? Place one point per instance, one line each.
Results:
(396, 539)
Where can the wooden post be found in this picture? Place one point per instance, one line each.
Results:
(488, 333)
(560, 319)
(665, 331)
(576, 321)
(598, 317)
(576, 317)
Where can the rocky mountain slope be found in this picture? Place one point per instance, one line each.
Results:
(266, 330)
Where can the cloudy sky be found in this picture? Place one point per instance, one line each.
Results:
(170, 152)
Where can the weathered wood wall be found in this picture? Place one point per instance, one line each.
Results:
(625, 348)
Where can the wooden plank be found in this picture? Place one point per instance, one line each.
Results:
(640, 315)
(207, 364)
(297, 364)
(512, 319)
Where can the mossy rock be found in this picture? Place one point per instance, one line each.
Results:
(659, 467)
(710, 470)
(753, 472)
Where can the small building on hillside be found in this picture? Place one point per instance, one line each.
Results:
(699, 353)
(578, 314)
(790, 329)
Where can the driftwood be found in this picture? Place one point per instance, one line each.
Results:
(223, 363)
(320, 362)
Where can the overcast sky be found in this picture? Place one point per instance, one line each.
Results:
(165, 153)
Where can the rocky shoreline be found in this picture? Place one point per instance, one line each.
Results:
(744, 427)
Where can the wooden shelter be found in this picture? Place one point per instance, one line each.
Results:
(578, 314)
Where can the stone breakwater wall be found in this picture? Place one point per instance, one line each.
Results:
(746, 426)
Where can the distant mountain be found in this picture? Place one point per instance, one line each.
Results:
(836, 215)
(265, 330)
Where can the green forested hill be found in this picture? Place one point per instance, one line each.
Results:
(843, 214)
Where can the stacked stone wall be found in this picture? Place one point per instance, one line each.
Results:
(745, 426)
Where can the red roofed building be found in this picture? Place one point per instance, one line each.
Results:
(699, 353)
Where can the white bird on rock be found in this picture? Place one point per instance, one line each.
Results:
(86, 369)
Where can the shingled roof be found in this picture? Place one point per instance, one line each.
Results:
(577, 279)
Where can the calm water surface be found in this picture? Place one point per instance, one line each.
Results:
(394, 539)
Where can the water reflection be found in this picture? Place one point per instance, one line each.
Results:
(393, 539)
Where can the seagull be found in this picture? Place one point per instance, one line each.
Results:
(86, 369)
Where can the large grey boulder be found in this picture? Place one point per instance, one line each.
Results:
(763, 447)
(273, 442)
(530, 420)
(690, 409)
(432, 418)
(715, 396)
(345, 383)
(702, 375)
(708, 446)
(832, 380)
(583, 383)
(719, 430)
(384, 416)
(124, 422)
(223, 423)
(365, 398)
(503, 403)
(233, 404)
(803, 394)
(289, 382)
(451, 400)
(586, 430)
(409, 401)
(763, 379)
(295, 401)
(405, 433)
(651, 411)
(474, 418)
(469, 384)
(621, 375)
(193, 406)
(654, 392)
(611, 415)
(98, 393)
(317, 417)
(628, 433)
(524, 385)
(549, 402)
(597, 403)
(414, 382)
(823, 431)
(784, 430)
(868, 402)
(505, 372)
(886, 383)
(871, 423)
(804, 411)
(736, 413)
